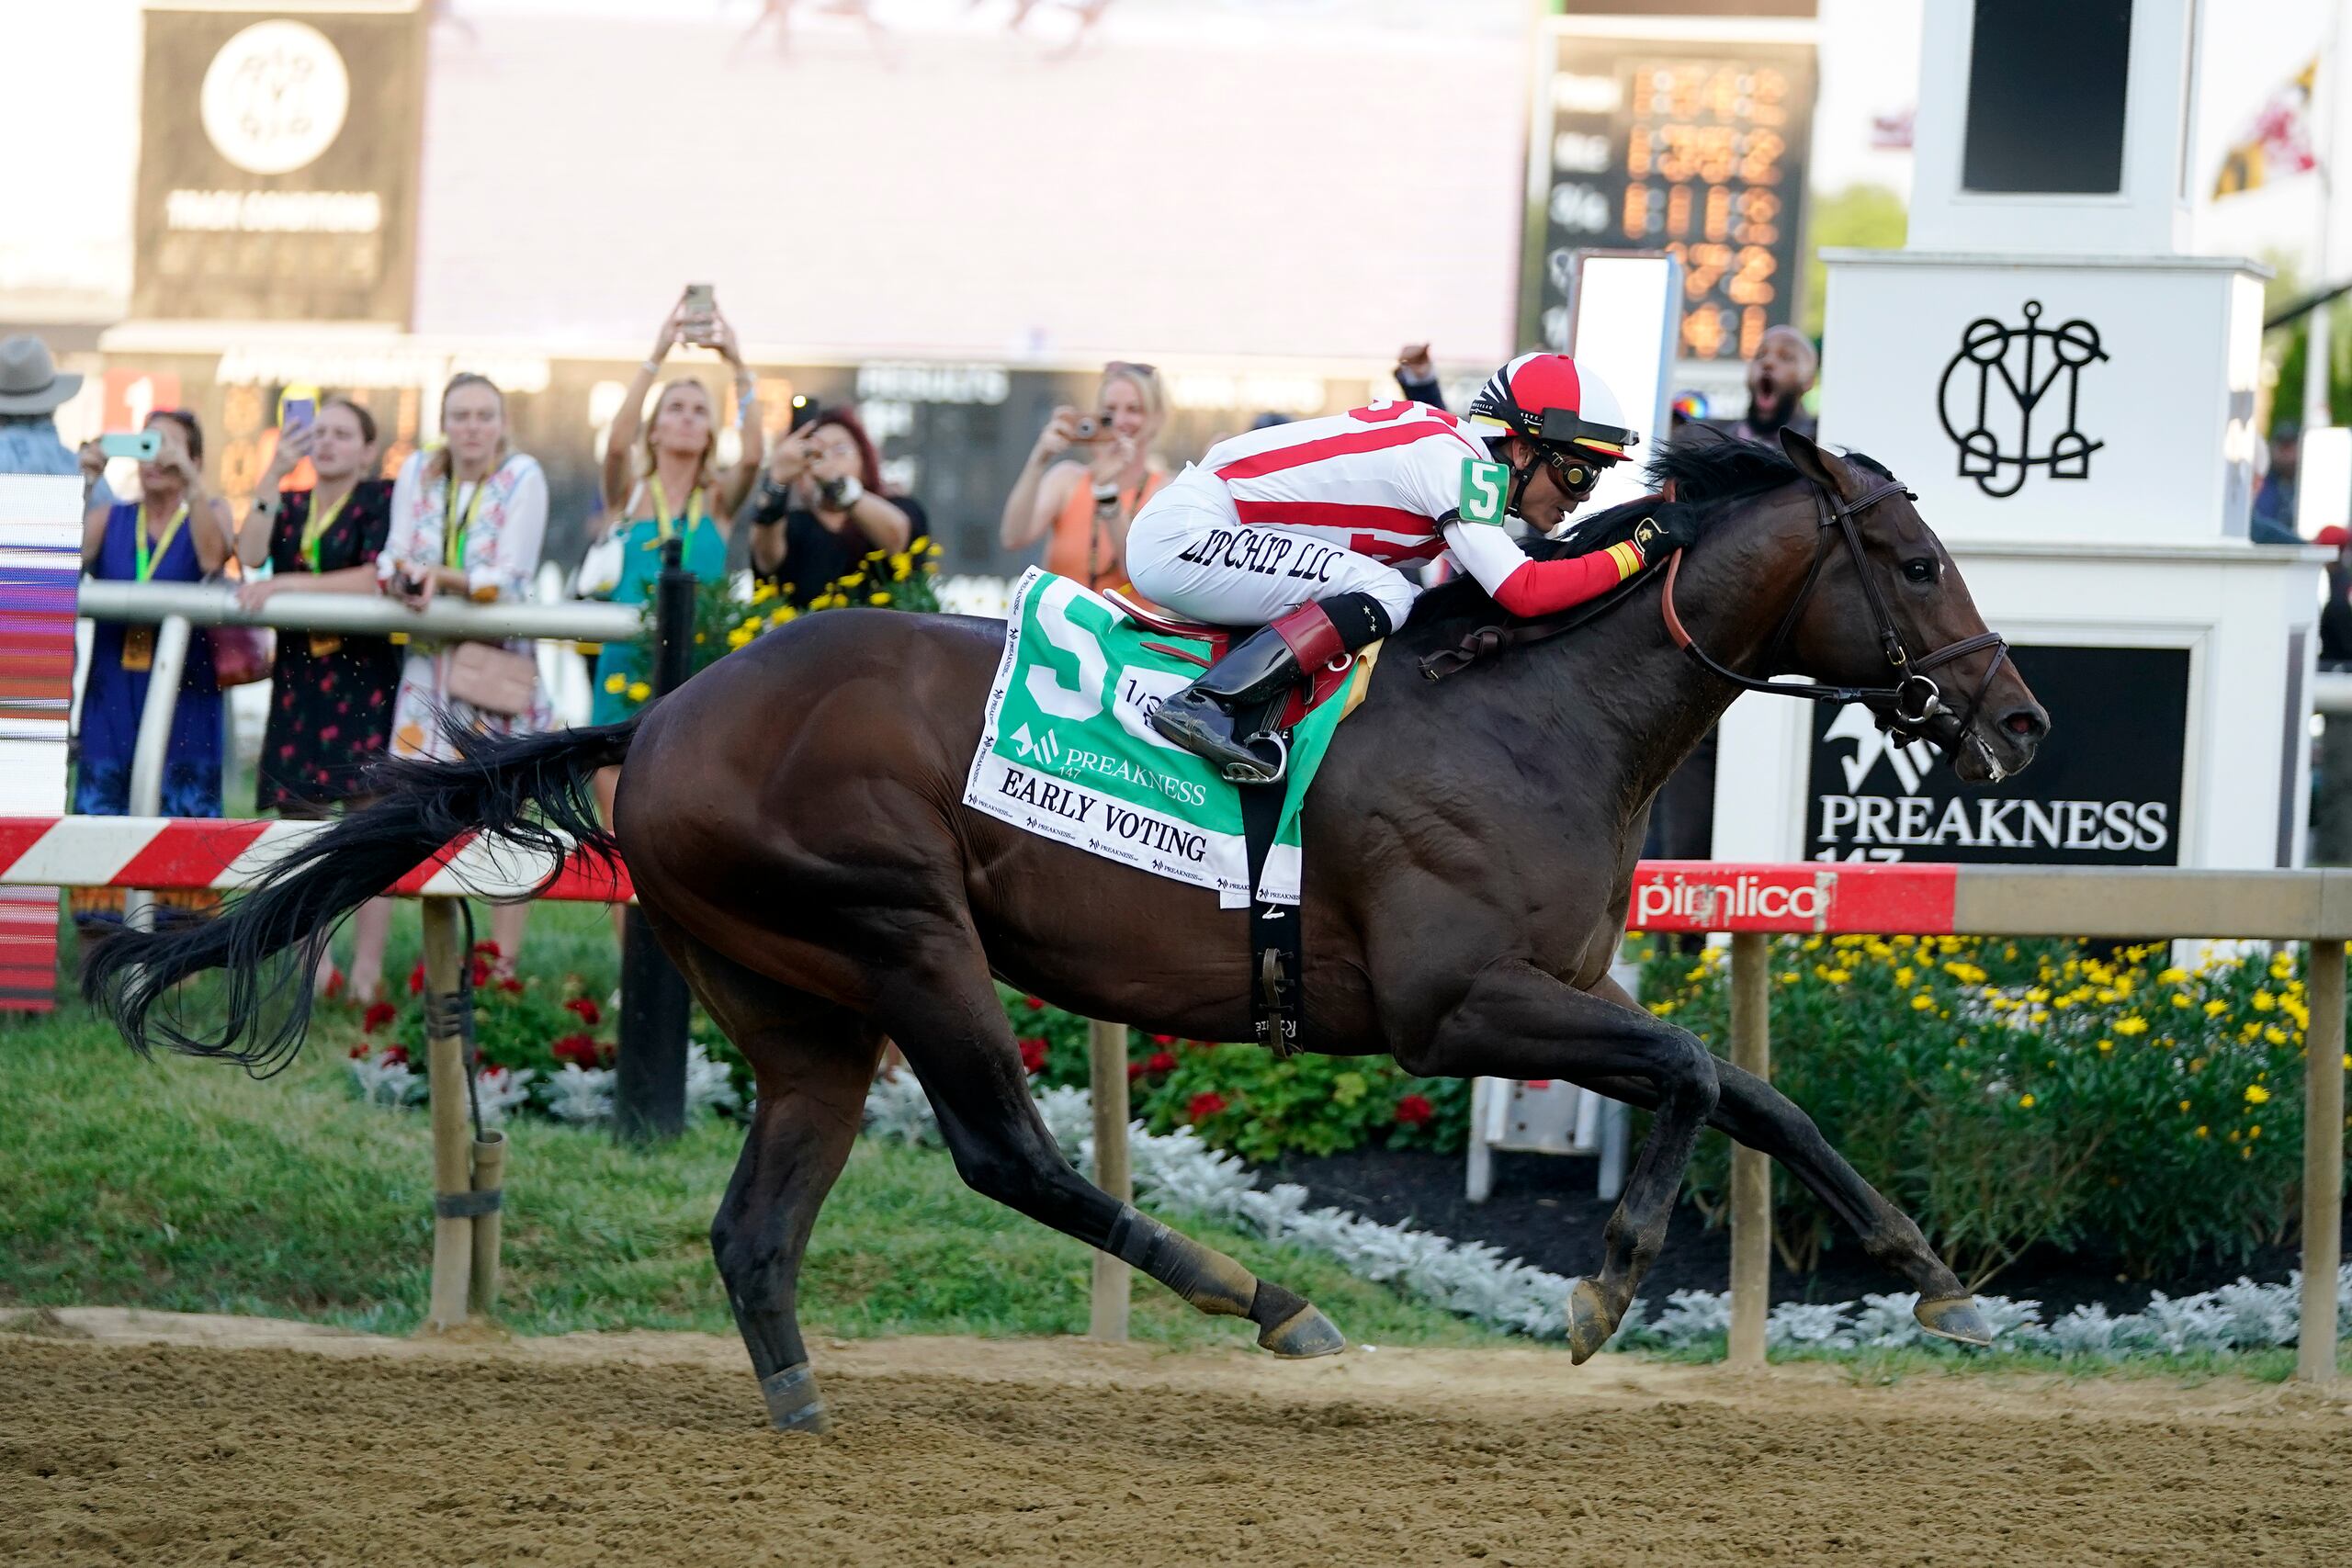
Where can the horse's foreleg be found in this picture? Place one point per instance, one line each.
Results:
(1753, 1112)
(942, 1010)
(1517, 1021)
(814, 1063)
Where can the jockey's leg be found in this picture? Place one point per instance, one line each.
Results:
(1321, 601)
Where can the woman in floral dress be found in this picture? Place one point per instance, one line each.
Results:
(467, 519)
(330, 695)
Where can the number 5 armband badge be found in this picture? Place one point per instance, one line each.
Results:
(1486, 488)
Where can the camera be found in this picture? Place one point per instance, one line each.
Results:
(840, 494)
(1091, 429)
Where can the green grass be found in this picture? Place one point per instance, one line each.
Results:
(185, 1186)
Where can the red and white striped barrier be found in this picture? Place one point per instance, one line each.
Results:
(171, 852)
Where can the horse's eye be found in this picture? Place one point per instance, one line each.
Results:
(1920, 570)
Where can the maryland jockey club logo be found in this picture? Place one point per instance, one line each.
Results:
(2028, 364)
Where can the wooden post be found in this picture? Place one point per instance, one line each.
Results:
(453, 1236)
(2323, 1165)
(1107, 1075)
(489, 1174)
(1751, 1173)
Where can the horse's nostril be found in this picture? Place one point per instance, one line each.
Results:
(2025, 723)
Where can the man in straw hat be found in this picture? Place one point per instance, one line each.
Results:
(30, 392)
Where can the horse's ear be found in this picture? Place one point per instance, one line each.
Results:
(1823, 468)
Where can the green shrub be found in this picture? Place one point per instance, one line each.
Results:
(2008, 1094)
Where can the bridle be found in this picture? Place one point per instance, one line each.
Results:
(1915, 698)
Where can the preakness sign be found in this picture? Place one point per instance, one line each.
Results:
(2105, 790)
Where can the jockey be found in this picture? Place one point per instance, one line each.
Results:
(1300, 530)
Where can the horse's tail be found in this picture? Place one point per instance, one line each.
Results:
(531, 791)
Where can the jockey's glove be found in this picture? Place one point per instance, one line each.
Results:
(1658, 537)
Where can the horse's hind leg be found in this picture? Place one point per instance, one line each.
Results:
(941, 1007)
(1755, 1114)
(1517, 1021)
(814, 1062)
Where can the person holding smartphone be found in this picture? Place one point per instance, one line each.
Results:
(174, 532)
(822, 508)
(330, 695)
(1088, 476)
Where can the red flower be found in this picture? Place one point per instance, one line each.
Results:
(486, 949)
(578, 1049)
(335, 983)
(480, 972)
(1035, 1004)
(1160, 1062)
(1032, 1054)
(360, 1051)
(589, 1014)
(511, 986)
(1203, 1106)
(1134, 1071)
(1415, 1111)
(1163, 1040)
(416, 978)
(378, 1015)
(393, 1055)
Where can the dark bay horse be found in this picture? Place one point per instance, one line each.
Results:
(792, 819)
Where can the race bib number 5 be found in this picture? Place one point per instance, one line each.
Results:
(1485, 487)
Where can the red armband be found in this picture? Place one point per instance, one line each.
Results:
(1543, 587)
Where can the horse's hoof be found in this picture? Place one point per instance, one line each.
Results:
(793, 1404)
(1304, 1333)
(1589, 1323)
(1955, 1318)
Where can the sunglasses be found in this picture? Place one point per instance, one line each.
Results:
(1133, 367)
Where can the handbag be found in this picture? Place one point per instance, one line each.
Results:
(486, 676)
(241, 655)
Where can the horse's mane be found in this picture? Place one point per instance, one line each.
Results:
(1709, 471)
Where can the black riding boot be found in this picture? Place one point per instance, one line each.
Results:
(1200, 718)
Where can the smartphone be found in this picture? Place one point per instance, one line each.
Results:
(702, 310)
(804, 410)
(300, 412)
(144, 445)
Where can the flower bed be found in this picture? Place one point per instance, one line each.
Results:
(2010, 1095)
(1240, 1098)
(545, 1049)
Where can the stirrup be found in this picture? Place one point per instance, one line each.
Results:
(1235, 772)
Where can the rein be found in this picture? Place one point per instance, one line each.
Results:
(1912, 701)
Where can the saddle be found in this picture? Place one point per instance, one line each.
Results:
(1295, 704)
(1276, 956)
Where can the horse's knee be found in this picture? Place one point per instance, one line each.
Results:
(1002, 1175)
(1686, 1072)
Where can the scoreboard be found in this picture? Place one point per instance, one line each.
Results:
(1683, 144)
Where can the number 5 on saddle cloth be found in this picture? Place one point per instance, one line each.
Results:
(1066, 752)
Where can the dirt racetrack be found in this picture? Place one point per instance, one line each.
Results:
(153, 1438)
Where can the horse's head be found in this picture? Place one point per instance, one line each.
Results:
(1885, 609)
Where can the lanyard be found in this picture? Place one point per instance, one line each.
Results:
(315, 526)
(453, 532)
(694, 514)
(145, 562)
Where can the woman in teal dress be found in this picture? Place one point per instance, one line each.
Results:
(667, 484)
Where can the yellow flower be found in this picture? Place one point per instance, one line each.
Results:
(1966, 974)
(1788, 976)
(639, 691)
(1661, 1009)
(2257, 1095)
(2172, 976)
(877, 598)
(762, 592)
(900, 562)
(2037, 994)
(2254, 1131)
(2263, 1002)
(2180, 998)
(2203, 1131)
(616, 684)
(783, 618)
(2276, 1035)
(738, 637)
(2105, 1045)
(2184, 1106)
(2216, 1007)
(1903, 975)
(2026, 1101)
(2131, 1024)
(1922, 1002)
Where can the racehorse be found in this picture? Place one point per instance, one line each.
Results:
(792, 820)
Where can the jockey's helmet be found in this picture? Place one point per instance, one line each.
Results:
(1554, 402)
